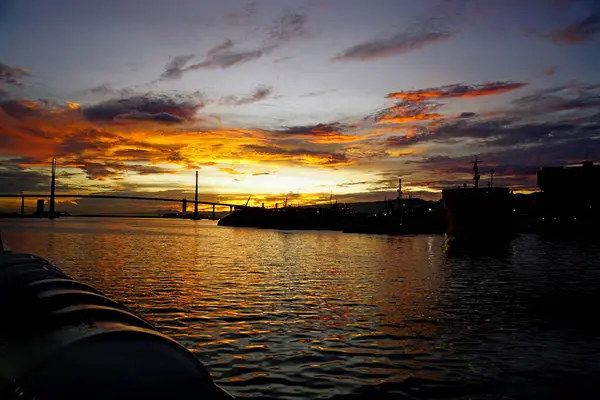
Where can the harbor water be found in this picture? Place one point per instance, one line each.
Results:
(308, 315)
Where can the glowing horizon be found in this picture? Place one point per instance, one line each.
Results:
(298, 101)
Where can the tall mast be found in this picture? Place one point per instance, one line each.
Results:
(399, 198)
(476, 171)
(52, 185)
(196, 197)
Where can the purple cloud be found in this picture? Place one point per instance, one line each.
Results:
(440, 23)
(12, 75)
(261, 93)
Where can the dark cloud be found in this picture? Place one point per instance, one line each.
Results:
(536, 121)
(261, 93)
(261, 173)
(104, 88)
(134, 154)
(147, 169)
(12, 75)
(581, 31)
(514, 167)
(15, 179)
(282, 59)
(350, 184)
(49, 109)
(155, 107)
(243, 15)
(287, 27)
(408, 111)
(108, 89)
(572, 96)
(467, 115)
(422, 105)
(330, 133)
(97, 171)
(174, 67)
(551, 70)
(304, 156)
(158, 117)
(226, 45)
(395, 45)
(20, 108)
(318, 93)
(458, 90)
(311, 129)
(227, 59)
(90, 141)
(440, 23)
(501, 133)
(112, 169)
(405, 140)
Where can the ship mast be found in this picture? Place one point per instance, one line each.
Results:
(399, 198)
(476, 175)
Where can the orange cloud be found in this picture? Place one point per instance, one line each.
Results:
(106, 149)
(231, 171)
(460, 90)
(73, 106)
(391, 119)
(318, 134)
(417, 96)
(408, 111)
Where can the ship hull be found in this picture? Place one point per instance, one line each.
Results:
(478, 216)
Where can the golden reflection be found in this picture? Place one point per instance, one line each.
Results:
(314, 300)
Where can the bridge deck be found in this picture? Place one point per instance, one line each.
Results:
(102, 196)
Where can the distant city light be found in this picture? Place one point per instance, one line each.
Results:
(430, 209)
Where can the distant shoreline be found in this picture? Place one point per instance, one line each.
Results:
(18, 216)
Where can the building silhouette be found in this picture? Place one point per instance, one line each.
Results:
(570, 197)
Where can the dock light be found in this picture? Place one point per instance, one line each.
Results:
(430, 209)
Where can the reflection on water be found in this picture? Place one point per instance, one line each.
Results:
(322, 314)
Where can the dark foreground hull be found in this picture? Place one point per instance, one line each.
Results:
(62, 339)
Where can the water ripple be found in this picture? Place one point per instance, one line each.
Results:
(310, 315)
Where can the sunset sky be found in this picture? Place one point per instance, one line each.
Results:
(296, 99)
